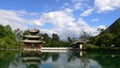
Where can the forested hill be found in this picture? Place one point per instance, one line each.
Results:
(115, 27)
(109, 37)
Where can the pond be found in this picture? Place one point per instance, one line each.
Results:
(61, 59)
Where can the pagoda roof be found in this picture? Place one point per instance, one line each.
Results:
(34, 30)
(31, 62)
(31, 58)
(31, 36)
(31, 41)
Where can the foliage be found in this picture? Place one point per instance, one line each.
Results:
(6, 58)
(117, 27)
(71, 39)
(90, 46)
(26, 32)
(7, 37)
(46, 38)
(116, 40)
(85, 36)
(103, 40)
(2, 31)
(54, 41)
(108, 37)
(55, 37)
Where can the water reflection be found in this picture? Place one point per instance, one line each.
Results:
(64, 59)
(31, 58)
(71, 59)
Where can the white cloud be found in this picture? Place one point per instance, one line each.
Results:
(102, 27)
(64, 23)
(94, 20)
(77, 6)
(9, 17)
(69, 10)
(38, 23)
(107, 5)
(87, 12)
(99, 6)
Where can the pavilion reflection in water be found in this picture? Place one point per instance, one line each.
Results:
(68, 59)
(32, 59)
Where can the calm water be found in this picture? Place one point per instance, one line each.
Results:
(70, 59)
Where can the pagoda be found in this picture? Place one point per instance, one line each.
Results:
(33, 41)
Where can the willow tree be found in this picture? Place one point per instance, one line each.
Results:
(85, 36)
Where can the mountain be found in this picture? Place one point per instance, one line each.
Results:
(115, 27)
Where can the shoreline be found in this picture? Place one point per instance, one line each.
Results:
(10, 49)
(69, 48)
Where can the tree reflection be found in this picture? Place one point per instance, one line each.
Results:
(47, 55)
(55, 56)
(73, 55)
(6, 57)
(108, 59)
(94, 59)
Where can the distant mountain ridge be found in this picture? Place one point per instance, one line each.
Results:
(115, 27)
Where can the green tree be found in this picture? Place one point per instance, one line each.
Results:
(46, 38)
(117, 27)
(116, 40)
(2, 31)
(2, 43)
(55, 37)
(9, 32)
(69, 39)
(85, 37)
(7, 37)
(104, 40)
(26, 32)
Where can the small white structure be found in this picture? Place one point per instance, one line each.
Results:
(81, 46)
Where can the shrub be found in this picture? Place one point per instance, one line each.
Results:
(90, 46)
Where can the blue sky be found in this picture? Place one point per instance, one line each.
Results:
(64, 17)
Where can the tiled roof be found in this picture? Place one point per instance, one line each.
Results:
(31, 36)
(34, 30)
(32, 41)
